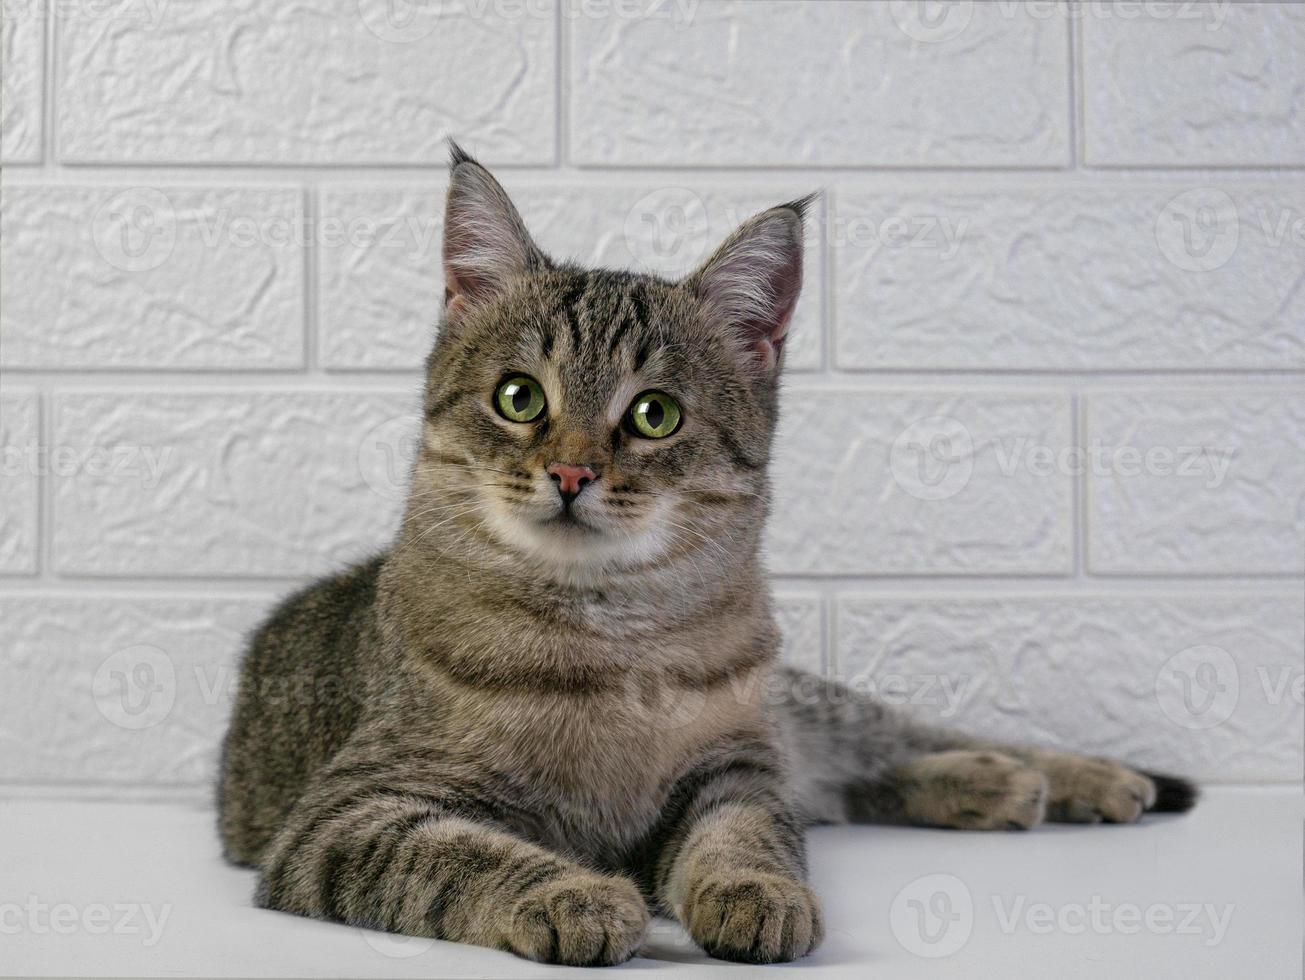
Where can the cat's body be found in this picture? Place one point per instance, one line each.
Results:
(554, 703)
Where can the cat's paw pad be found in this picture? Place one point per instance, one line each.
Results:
(977, 791)
(1088, 790)
(753, 917)
(579, 920)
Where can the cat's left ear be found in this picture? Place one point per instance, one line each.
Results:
(486, 244)
(750, 285)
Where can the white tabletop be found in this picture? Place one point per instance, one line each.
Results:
(139, 889)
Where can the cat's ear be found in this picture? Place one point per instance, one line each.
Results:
(485, 242)
(751, 284)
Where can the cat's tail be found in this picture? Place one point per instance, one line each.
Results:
(1173, 794)
(852, 758)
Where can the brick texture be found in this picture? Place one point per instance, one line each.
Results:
(1044, 418)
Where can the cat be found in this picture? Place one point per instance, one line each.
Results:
(553, 706)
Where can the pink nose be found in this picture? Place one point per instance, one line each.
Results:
(570, 478)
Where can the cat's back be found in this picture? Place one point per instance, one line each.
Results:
(302, 688)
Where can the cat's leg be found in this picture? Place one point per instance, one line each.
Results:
(364, 847)
(857, 759)
(728, 858)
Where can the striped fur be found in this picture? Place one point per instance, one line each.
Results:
(527, 733)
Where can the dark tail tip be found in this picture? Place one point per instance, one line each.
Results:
(1173, 794)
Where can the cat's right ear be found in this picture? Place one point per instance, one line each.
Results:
(485, 242)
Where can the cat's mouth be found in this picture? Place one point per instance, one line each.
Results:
(568, 520)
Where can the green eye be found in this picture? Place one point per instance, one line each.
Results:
(520, 399)
(654, 415)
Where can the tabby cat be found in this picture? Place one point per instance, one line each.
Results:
(553, 705)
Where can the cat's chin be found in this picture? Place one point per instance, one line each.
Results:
(572, 544)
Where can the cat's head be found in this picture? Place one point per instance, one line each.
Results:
(589, 419)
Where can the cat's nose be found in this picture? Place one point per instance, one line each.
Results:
(570, 478)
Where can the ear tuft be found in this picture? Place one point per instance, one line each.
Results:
(485, 241)
(458, 155)
(751, 284)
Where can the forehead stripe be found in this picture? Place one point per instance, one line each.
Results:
(570, 306)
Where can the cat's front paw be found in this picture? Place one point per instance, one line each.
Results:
(753, 917)
(1091, 790)
(579, 920)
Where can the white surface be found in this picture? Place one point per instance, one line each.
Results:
(1236, 860)
(219, 274)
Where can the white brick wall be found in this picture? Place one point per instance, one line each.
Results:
(1042, 470)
